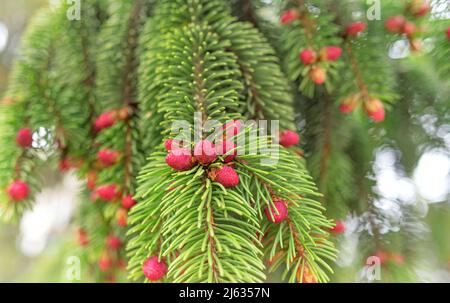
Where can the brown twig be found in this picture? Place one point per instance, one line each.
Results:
(308, 24)
(356, 71)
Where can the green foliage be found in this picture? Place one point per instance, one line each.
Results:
(74, 77)
(302, 238)
(116, 89)
(267, 93)
(204, 231)
(315, 30)
(154, 63)
(48, 99)
(368, 66)
(328, 133)
(29, 92)
(441, 49)
(176, 208)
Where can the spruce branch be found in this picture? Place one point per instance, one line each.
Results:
(114, 87)
(191, 71)
(25, 94)
(312, 30)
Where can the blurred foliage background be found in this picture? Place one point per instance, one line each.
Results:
(14, 15)
(21, 263)
(15, 265)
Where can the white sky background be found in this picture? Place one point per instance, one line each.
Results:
(431, 179)
(50, 216)
(3, 36)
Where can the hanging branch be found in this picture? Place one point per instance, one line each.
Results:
(23, 115)
(205, 51)
(310, 47)
(192, 248)
(117, 136)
